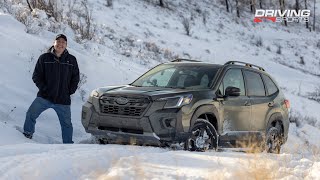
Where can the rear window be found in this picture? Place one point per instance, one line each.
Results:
(254, 84)
(271, 86)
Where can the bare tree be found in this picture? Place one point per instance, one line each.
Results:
(161, 3)
(86, 30)
(49, 6)
(29, 6)
(227, 5)
(186, 24)
(282, 5)
(237, 7)
(306, 7)
(260, 4)
(297, 5)
(314, 15)
(253, 6)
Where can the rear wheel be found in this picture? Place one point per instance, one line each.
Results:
(273, 140)
(203, 136)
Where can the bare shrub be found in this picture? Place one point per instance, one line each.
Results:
(294, 117)
(109, 3)
(205, 16)
(186, 25)
(315, 95)
(83, 25)
(83, 94)
(83, 80)
(318, 44)
(6, 7)
(130, 40)
(23, 17)
(152, 47)
(279, 49)
(259, 42)
(300, 120)
(302, 60)
(32, 26)
(55, 27)
(168, 54)
(2, 3)
(268, 48)
(50, 7)
(220, 25)
(86, 28)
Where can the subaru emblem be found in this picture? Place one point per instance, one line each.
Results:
(122, 101)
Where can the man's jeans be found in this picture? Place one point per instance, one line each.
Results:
(63, 111)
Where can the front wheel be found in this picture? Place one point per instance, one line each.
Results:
(99, 140)
(203, 136)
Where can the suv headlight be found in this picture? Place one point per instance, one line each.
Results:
(94, 93)
(177, 101)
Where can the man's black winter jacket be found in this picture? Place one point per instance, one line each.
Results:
(56, 78)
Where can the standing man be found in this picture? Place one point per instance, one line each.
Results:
(57, 76)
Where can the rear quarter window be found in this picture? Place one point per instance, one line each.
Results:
(271, 86)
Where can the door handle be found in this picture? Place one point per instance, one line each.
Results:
(271, 104)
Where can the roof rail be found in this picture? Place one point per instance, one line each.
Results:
(188, 60)
(246, 64)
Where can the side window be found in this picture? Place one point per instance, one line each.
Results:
(254, 83)
(234, 78)
(271, 86)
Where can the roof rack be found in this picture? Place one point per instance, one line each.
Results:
(246, 64)
(188, 60)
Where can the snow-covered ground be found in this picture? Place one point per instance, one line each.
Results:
(131, 38)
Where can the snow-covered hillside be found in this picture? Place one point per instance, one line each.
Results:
(130, 38)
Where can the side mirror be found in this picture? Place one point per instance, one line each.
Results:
(232, 91)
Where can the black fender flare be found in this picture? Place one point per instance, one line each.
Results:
(277, 116)
(206, 109)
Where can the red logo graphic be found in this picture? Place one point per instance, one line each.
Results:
(259, 19)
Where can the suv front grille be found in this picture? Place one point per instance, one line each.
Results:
(129, 106)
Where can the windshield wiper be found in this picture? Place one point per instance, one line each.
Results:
(134, 85)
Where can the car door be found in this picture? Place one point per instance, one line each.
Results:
(236, 110)
(260, 103)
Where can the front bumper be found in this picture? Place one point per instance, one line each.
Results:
(156, 126)
(126, 138)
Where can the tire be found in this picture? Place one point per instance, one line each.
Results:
(203, 136)
(273, 140)
(98, 140)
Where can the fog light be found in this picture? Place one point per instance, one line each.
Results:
(169, 123)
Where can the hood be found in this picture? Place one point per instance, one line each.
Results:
(153, 92)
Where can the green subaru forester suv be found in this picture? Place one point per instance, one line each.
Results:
(191, 103)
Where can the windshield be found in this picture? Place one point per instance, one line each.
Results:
(178, 76)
